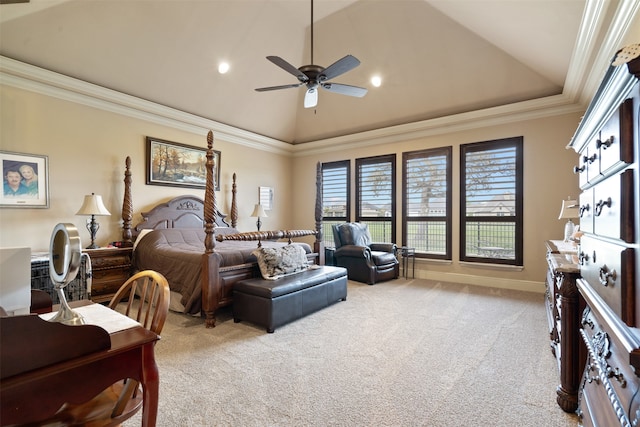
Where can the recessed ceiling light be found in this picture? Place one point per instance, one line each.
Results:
(223, 67)
(376, 81)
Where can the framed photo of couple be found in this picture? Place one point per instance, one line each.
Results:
(25, 180)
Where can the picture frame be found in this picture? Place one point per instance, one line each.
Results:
(25, 179)
(179, 165)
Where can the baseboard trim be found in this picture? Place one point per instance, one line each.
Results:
(490, 282)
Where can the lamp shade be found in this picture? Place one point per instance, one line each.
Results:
(570, 209)
(258, 212)
(93, 205)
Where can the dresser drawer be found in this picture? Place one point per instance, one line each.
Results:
(113, 261)
(608, 361)
(608, 375)
(582, 169)
(108, 281)
(586, 211)
(610, 270)
(613, 207)
(616, 140)
(591, 411)
(588, 168)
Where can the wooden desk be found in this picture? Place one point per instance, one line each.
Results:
(38, 393)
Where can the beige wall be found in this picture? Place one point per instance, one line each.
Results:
(87, 148)
(548, 178)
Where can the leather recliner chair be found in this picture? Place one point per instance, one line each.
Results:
(365, 261)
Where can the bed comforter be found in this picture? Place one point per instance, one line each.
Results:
(177, 254)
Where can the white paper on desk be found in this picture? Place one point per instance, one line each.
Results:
(99, 315)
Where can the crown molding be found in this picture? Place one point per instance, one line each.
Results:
(35, 79)
(620, 25)
(527, 110)
(39, 80)
(581, 85)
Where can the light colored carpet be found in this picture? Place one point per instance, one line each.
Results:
(399, 353)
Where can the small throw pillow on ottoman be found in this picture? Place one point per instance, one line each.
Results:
(278, 262)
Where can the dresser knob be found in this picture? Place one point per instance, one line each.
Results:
(607, 143)
(615, 373)
(582, 258)
(584, 208)
(587, 322)
(605, 275)
(601, 204)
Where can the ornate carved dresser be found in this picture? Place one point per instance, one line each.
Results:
(564, 307)
(607, 143)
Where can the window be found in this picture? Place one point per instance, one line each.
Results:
(336, 181)
(491, 202)
(376, 196)
(426, 200)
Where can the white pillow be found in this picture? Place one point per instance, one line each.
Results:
(140, 236)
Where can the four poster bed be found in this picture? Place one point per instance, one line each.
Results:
(178, 239)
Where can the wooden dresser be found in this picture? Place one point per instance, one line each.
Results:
(564, 306)
(607, 144)
(110, 268)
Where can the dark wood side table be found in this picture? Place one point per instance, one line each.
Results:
(564, 308)
(110, 268)
(408, 254)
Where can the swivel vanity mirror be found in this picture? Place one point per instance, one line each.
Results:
(65, 252)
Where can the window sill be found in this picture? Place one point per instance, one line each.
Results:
(433, 261)
(488, 266)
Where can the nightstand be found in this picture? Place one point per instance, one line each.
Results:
(110, 268)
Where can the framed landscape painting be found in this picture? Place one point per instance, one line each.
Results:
(179, 165)
(25, 180)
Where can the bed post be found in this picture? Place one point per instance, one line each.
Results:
(234, 207)
(127, 205)
(209, 199)
(318, 245)
(210, 259)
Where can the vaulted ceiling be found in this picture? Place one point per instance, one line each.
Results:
(436, 58)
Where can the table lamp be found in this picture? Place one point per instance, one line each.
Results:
(258, 212)
(570, 209)
(93, 206)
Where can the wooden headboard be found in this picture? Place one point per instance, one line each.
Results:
(180, 212)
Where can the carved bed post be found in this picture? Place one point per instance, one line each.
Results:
(210, 259)
(127, 205)
(318, 245)
(234, 207)
(209, 199)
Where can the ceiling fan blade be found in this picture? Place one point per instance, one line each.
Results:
(311, 98)
(341, 66)
(264, 89)
(288, 68)
(345, 89)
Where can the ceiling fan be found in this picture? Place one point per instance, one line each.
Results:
(315, 76)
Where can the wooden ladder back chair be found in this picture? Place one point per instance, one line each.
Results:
(147, 301)
(151, 306)
(147, 294)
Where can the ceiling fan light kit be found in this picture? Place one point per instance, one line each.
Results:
(314, 76)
